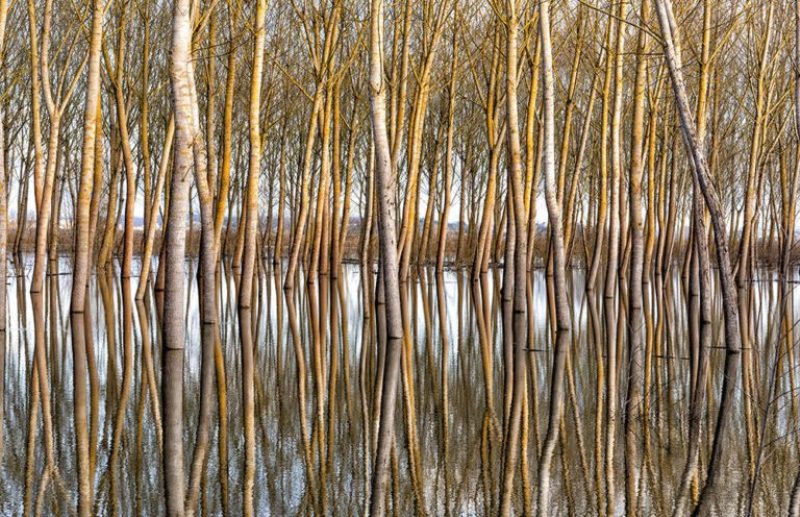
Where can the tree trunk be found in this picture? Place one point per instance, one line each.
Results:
(560, 288)
(173, 329)
(515, 205)
(696, 150)
(633, 418)
(448, 159)
(386, 189)
(81, 262)
(248, 263)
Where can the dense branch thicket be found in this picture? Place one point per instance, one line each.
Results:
(315, 143)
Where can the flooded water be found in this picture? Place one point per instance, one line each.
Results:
(316, 358)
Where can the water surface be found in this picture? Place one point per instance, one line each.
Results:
(316, 355)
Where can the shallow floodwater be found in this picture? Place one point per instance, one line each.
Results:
(316, 355)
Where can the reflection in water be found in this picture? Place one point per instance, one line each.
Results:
(293, 389)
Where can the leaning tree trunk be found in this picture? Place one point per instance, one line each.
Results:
(150, 231)
(697, 153)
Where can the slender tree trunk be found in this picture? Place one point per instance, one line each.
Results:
(36, 106)
(634, 415)
(3, 214)
(308, 158)
(448, 159)
(611, 302)
(150, 231)
(277, 253)
(81, 262)
(516, 203)
(560, 288)
(248, 264)
(756, 138)
(227, 139)
(602, 184)
(794, 504)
